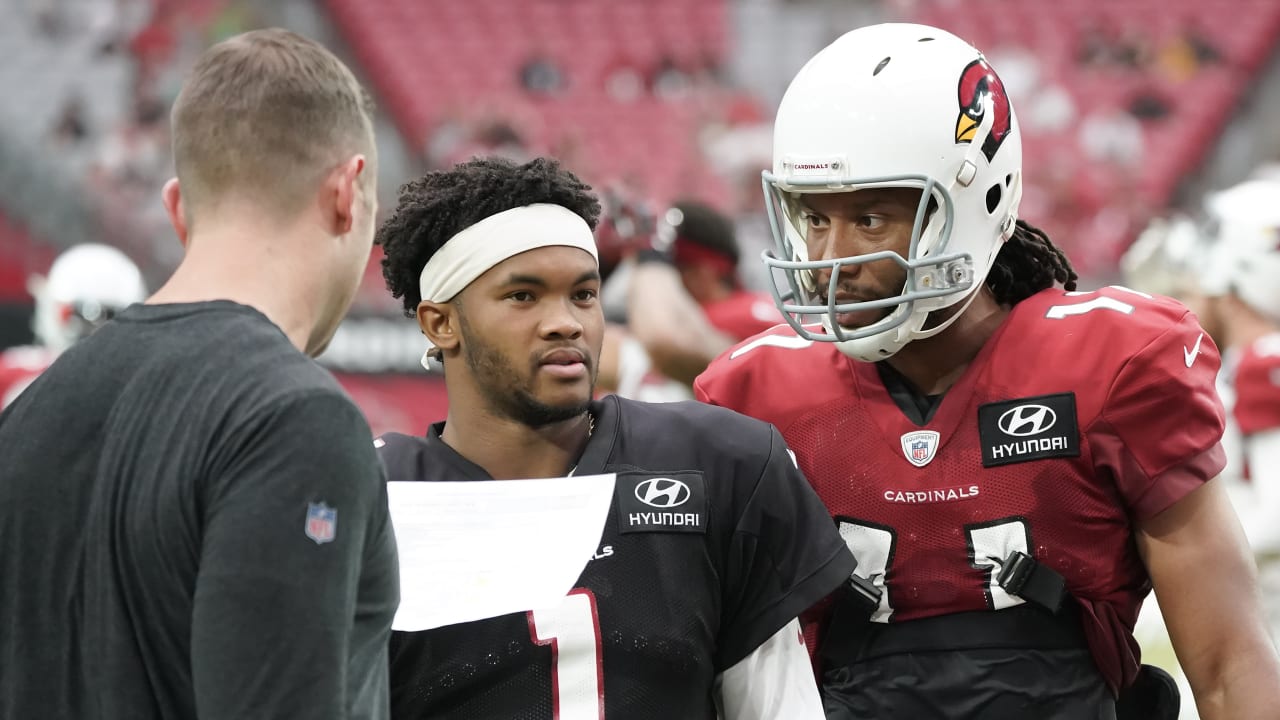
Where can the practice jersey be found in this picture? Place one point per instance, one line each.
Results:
(714, 542)
(19, 366)
(1082, 413)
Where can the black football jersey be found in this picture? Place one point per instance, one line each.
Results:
(714, 542)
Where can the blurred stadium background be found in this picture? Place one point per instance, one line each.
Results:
(1132, 111)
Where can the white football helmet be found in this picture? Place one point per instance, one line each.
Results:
(1166, 258)
(1245, 256)
(86, 286)
(895, 105)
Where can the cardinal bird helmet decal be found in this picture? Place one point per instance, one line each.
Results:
(895, 105)
(977, 81)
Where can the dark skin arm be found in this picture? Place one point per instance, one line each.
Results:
(1206, 581)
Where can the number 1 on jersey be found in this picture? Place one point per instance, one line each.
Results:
(572, 629)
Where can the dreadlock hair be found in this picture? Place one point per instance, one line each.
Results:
(1028, 263)
(443, 203)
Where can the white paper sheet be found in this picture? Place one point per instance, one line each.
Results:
(475, 550)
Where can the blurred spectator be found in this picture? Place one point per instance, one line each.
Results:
(1049, 110)
(1150, 104)
(1184, 54)
(1132, 48)
(1111, 135)
(1101, 45)
(1095, 45)
(540, 75)
(623, 80)
(71, 127)
(1043, 104)
(670, 80)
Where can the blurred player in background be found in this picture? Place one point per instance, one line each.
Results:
(1242, 282)
(703, 247)
(678, 299)
(988, 441)
(627, 368)
(87, 285)
(714, 544)
(193, 518)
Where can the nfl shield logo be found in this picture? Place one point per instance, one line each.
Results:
(322, 522)
(919, 446)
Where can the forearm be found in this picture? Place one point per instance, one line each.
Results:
(1205, 578)
(670, 325)
(1246, 687)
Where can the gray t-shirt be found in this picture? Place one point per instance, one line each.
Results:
(193, 524)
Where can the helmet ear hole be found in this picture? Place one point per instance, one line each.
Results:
(994, 193)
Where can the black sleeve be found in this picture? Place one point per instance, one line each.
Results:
(275, 597)
(786, 555)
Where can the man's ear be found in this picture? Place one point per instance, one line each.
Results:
(439, 323)
(176, 209)
(341, 193)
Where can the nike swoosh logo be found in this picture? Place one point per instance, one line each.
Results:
(1191, 355)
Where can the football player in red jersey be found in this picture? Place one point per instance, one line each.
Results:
(86, 286)
(704, 249)
(1014, 464)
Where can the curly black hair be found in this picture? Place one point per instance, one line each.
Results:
(443, 203)
(1028, 263)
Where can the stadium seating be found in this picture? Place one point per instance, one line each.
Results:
(429, 60)
(1199, 101)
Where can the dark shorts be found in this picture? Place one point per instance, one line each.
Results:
(1016, 663)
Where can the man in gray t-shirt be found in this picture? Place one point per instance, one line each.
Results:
(193, 522)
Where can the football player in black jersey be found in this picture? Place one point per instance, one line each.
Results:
(715, 542)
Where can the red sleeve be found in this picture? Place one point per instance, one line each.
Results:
(743, 314)
(1257, 407)
(1160, 425)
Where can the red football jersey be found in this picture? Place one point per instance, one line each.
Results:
(1257, 380)
(1082, 412)
(19, 366)
(743, 314)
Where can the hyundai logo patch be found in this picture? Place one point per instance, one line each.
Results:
(1025, 429)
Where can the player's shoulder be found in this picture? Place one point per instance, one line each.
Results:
(775, 355)
(689, 416)
(393, 446)
(1113, 306)
(1110, 322)
(689, 428)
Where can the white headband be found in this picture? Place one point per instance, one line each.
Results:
(469, 254)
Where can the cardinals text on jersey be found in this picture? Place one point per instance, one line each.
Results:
(1082, 412)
